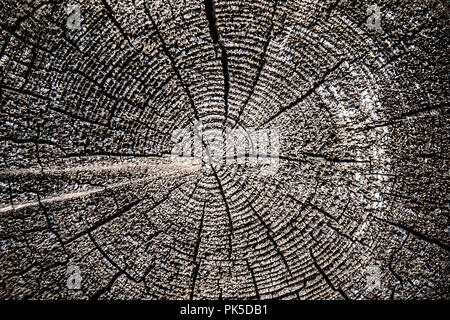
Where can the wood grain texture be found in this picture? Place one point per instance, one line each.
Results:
(86, 118)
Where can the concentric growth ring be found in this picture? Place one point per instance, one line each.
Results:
(352, 97)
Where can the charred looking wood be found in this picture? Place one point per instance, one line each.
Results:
(351, 202)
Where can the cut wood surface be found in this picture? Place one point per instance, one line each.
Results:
(357, 208)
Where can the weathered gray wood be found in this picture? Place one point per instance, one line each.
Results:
(86, 118)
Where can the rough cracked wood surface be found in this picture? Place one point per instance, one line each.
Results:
(85, 124)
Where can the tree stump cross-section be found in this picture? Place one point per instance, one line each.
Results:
(93, 205)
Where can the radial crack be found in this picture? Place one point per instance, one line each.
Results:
(211, 16)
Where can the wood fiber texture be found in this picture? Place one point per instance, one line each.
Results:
(86, 178)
